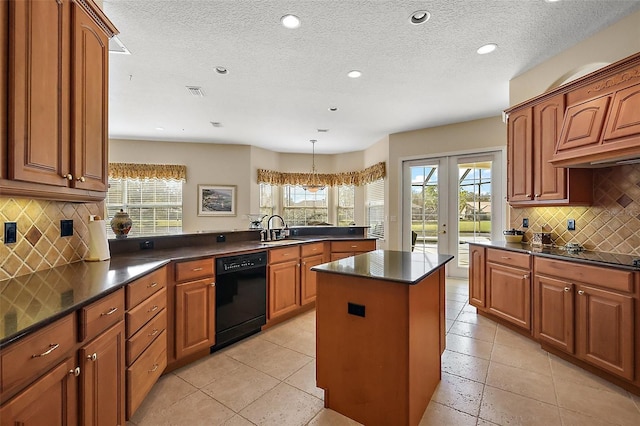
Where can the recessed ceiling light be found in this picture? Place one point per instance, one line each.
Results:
(323, 130)
(290, 21)
(354, 74)
(222, 70)
(333, 108)
(419, 17)
(216, 123)
(160, 129)
(487, 48)
(552, 1)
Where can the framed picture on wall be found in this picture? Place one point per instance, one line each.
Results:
(216, 200)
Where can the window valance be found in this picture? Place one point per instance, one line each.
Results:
(359, 178)
(147, 171)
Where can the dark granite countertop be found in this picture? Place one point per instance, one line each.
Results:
(388, 265)
(29, 302)
(598, 258)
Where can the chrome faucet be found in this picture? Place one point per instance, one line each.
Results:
(269, 230)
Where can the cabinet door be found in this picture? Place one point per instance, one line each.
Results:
(51, 400)
(550, 183)
(195, 316)
(554, 312)
(90, 99)
(605, 330)
(39, 93)
(284, 288)
(520, 156)
(4, 71)
(102, 379)
(308, 278)
(624, 119)
(509, 294)
(476, 276)
(583, 124)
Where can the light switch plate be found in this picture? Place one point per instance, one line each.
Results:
(571, 224)
(66, 227)
(525, 222)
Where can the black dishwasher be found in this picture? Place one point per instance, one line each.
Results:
(241, 297)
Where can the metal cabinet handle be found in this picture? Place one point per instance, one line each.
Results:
(153, 308)
(537, 195)
(525, 276)
(75, 371)
(581, 292)
(68, 176)
(92, 357)
(81, 179)
(528, 195)
(52, 347)
(567, 289)
(152, 285)
(155, 367)
(213, 284)
(109, 312)
(153, 333)
(505, 257)
(304, 263)
(354, 246)
(197, 269)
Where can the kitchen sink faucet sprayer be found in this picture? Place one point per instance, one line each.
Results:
(272, 231)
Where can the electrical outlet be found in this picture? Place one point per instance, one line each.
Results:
(571, 224)
(525, 222)
(10, 232)
(146, 244)
(66, 227)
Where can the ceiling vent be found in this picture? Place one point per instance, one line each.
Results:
(196, 91)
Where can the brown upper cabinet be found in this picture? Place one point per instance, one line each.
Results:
(4, 80)
(57, 97)
(533, 130)
(602, 122)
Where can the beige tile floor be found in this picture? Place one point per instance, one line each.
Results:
(490, 375)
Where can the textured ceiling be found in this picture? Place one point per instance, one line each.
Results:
(281, 82)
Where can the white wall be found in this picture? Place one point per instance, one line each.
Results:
(615, 42)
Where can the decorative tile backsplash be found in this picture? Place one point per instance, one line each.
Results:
(612, 224)
(39, 245)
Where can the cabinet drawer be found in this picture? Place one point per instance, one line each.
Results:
(353, 246)
(101, 315)
(194, 269)
(614, 279)
(35, 354)
(311, 249)
(509, 258)
(147, 334)
(144, 373)
(283, 254)
(141, 314)
(144, 287)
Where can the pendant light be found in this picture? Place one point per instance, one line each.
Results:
(313, 181)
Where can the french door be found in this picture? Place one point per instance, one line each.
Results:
(451, 201)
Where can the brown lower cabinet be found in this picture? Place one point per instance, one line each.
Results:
(195, 316)
(588, 312)
(508, 287)
(284, 281)
(102, 382)
(51, 400)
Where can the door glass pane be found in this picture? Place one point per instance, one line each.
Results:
(424, 208)
(474, 206)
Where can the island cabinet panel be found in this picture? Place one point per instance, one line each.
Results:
(594, 323)
(284, 288)
(51, 400)
(378, 363)
(476, 276)
(344, 249)
(102, 385)
(195, 316)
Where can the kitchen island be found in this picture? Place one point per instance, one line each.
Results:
(380, 334)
